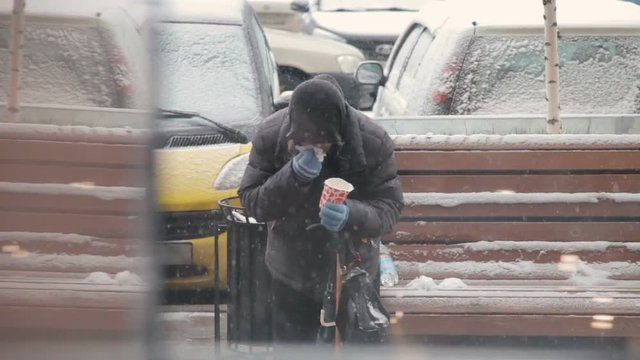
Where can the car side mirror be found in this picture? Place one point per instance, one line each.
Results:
(370, 73)
(300, 6)
(283, 100)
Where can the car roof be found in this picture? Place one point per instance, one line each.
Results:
(529, 14)
(207, 11)
(76, 8)
(65, 8)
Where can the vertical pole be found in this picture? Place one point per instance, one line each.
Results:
(552, 67)
(338, 293)
(252, 288)
(216, 288)
(16, 49)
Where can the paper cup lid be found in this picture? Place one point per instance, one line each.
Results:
(339, 184)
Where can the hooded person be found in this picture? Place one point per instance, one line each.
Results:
(282, 185)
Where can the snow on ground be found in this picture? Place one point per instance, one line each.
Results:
(122, 278)
(591, 246)
(425, 283)
(452, 283)
(39, 237)
(581, 273)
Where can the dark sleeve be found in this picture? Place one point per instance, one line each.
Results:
(379, 208)
(268, 193)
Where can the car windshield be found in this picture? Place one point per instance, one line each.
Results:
(207, 68)
(500, 75)
(65, 64)
(362, 5)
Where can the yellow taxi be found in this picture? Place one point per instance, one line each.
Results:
(218, 80)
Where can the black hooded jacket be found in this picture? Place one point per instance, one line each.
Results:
(271, 192)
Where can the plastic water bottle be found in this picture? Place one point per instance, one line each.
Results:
(388, 273)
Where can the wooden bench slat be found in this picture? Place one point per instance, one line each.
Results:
(528, 203)
(591, 292)
(69, 263)
(521, 184)
(626, 287)
(82, 134)
(69, 244)
(64, 174)
(578, 274)
(525, 161)
(508, 303)
(69, 318)
(511, 325)
(456, 232)
(68, 203)
(76, 153)
(601, 209)
(103, 226)
(515, 142)
(456, 253)
(67, 304)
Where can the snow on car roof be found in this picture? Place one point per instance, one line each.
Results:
(207, 11)
(64, 8)
(528, 13)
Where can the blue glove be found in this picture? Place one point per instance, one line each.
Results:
(334, 216)
(306, 165)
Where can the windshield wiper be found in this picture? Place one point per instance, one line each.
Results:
(344, 10)
(233, 134)
(391, 9)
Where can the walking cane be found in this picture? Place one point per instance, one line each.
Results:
(338, 291)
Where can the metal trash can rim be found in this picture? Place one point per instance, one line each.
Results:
(229, 210)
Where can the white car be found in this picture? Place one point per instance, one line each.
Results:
(79, 54)
(370, 25)
(301, 56)
(471, 59)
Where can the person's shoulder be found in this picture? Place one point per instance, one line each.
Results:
(268, 129)
(373, 134)
(273, 122)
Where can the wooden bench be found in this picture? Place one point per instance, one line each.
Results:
(71, 219)
(542, 231)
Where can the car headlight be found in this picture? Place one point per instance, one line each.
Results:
(231, 174)
(327, 34)
(349, 63)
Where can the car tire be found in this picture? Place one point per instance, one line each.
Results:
(290, 77)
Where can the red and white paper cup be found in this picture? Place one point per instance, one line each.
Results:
(335, 190)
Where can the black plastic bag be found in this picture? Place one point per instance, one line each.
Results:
(361, 316)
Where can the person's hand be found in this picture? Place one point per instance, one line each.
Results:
(306, 165)
(334, 216)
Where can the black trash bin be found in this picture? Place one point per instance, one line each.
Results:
(249, 310)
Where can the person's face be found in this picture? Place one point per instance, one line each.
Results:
(325, 146)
